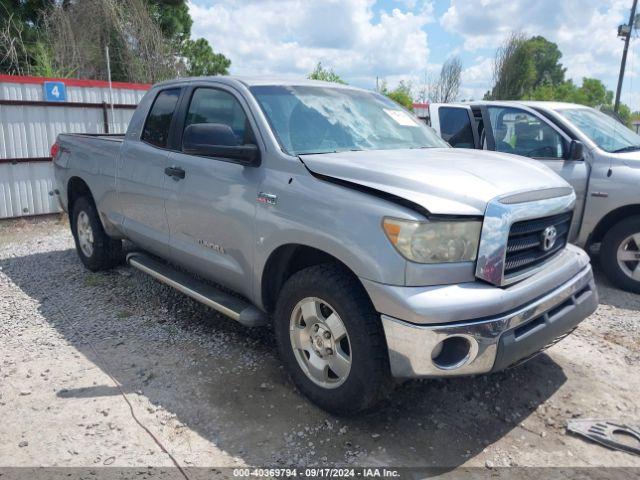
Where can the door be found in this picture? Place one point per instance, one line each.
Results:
(455, 124)
(141, 176)
(523, 131)
(211, 210)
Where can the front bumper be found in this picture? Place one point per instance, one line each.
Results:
(492, 343)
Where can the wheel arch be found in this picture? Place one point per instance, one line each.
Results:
(610, 219)
(76, 188)
(288, 259)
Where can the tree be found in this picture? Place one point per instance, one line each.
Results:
(531, 69)
(148, 40)
(172, 16)
(592, 93)
(523, 65)
(325, 74)
(447, 87)
(19, 30)
(76, 41)
(546, 59)
(513, 70)
(401, 94)
(201, 59)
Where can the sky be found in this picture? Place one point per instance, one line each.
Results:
(395, 40)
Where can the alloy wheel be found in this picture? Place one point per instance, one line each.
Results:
(628, 256)
(320, 342)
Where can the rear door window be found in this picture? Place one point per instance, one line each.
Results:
(157, 127)
(456, 127)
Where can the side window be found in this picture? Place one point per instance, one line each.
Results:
(455, 126)
(156, 128)
(209, 105)
(517, 131)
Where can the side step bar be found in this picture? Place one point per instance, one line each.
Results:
(233, 307)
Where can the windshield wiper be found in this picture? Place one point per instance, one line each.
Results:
(630, 148)
(318, 153)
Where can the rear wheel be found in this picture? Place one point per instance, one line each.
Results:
(620, 254)
(331, 340)
(96, 249)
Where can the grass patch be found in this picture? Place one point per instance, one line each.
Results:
(122, 314)
(93, 280)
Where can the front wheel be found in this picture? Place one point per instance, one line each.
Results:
(331, 340)
(620, 254)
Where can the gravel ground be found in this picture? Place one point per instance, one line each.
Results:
(214, 394)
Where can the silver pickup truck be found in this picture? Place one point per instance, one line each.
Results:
(596, 154)
(372, 248)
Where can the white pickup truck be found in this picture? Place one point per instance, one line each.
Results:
(596, 154)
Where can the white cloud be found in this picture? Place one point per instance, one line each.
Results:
(288, 37)
(476, 79)
(585, 30)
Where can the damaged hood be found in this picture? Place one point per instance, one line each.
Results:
(443, 180)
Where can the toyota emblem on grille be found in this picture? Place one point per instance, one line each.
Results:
(548, 238)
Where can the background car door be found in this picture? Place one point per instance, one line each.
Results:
(141, 176)
(211, 211)
(522, 131)
(455, 124)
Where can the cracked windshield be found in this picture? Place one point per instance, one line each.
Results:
(310, 120)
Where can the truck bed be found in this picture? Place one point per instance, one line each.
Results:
(117, 137)
(91, 157)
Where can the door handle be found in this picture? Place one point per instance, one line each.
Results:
(175, 172)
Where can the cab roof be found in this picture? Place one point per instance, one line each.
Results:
(547, 105)
(252, 81)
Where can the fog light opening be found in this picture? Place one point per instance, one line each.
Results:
(451, 353)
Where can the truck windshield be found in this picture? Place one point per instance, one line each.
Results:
(309, 119)
(609, 134)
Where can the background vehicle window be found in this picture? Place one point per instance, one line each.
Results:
(156, 128)
(609, 134)
(216, 106)
(456, 128)
(517, 131)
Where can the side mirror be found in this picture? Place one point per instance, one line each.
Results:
(576, 150)
(218, 140)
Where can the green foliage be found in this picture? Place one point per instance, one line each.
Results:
(325, 75)
(592, 92)
(173, 18)
(401, 94)
(624, 114)
(44, 64)
(150, 41)
(524, 65)
(546, 61)
(530, 69)
(202, 60)
(175, 23)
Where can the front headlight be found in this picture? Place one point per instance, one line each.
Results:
(436, 241)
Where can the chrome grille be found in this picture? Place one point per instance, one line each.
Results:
(526, 247)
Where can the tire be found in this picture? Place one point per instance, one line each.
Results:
(624, 235)
(330, 289)
(96, 249)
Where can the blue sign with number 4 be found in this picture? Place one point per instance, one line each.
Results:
(55, 92)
